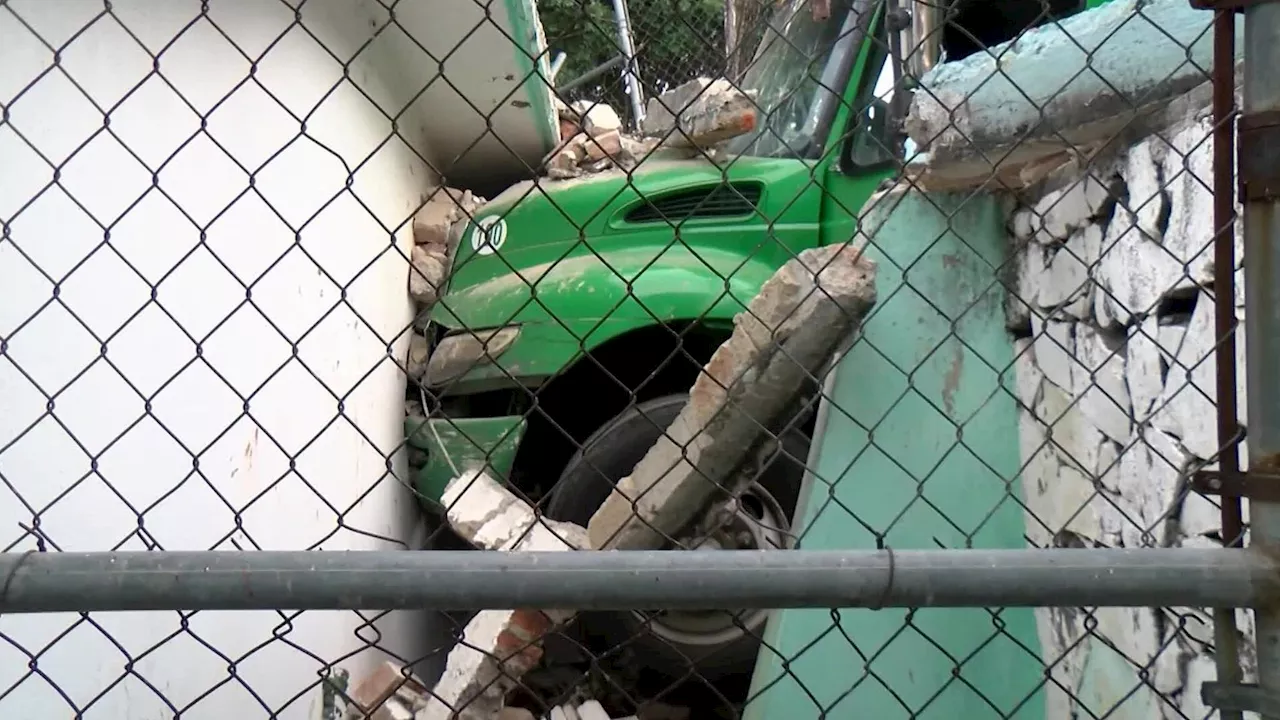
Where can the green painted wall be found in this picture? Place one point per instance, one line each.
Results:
(919, 444)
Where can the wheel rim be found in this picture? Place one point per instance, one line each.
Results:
(755, 521)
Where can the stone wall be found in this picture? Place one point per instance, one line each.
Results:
(1114, 309)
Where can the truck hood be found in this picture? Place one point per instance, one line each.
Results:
(530, 232)
(651, 175)
(545, 212)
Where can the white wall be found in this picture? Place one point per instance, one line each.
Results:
(150, 400)
(1120, 406)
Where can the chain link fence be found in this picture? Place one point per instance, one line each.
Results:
(680, 42)
(920, 318)
(673, 42)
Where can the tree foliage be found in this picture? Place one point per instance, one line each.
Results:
(677, 40)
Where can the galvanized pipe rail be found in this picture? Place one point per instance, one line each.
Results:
(453, 580)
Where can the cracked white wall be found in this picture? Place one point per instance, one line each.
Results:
(150, 403)
(1117, 383)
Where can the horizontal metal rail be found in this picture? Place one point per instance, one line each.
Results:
(455, 580)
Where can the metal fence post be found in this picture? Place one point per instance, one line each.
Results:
(631, 71)
(1226, 632)
(1258, 134)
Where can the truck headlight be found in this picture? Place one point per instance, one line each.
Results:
(458, 354)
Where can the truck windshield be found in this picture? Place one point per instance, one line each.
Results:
(794, 76)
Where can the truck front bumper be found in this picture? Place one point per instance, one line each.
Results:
(455, 446)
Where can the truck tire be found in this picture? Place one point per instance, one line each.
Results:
(666, 644)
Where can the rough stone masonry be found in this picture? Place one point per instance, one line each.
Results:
(1117, 391)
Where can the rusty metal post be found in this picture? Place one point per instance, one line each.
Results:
(1226, 645)
(1259, 172)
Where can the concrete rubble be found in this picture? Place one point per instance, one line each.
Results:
(589, 710)
(788, 332)
(390, 692)
(500, 645)
(782, 340)
(690, 119)
(437, 228)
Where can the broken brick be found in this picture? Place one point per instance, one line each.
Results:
(436, 220)
(564, 160)
(605, 145)
(388, 693)
(569, 128)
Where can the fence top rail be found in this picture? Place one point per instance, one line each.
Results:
(47, 582)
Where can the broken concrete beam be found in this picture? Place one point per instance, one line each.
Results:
(661, 111)
(700, 113)
(789, 330)
(499, 646)
(428, 266)
(704, 131)
(1091, 65)
(1060, 90)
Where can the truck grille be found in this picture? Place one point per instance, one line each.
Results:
(708, 201)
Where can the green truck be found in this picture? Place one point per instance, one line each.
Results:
(579, 312)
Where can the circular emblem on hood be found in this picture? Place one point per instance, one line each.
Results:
(489, 235)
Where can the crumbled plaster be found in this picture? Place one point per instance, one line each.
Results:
(1037, 84)
(1117, 388)
(1048, 101)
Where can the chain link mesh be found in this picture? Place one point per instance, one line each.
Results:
(255, 298)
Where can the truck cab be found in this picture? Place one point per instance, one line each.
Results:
(579, 312)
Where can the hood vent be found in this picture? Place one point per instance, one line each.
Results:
(707, 201)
